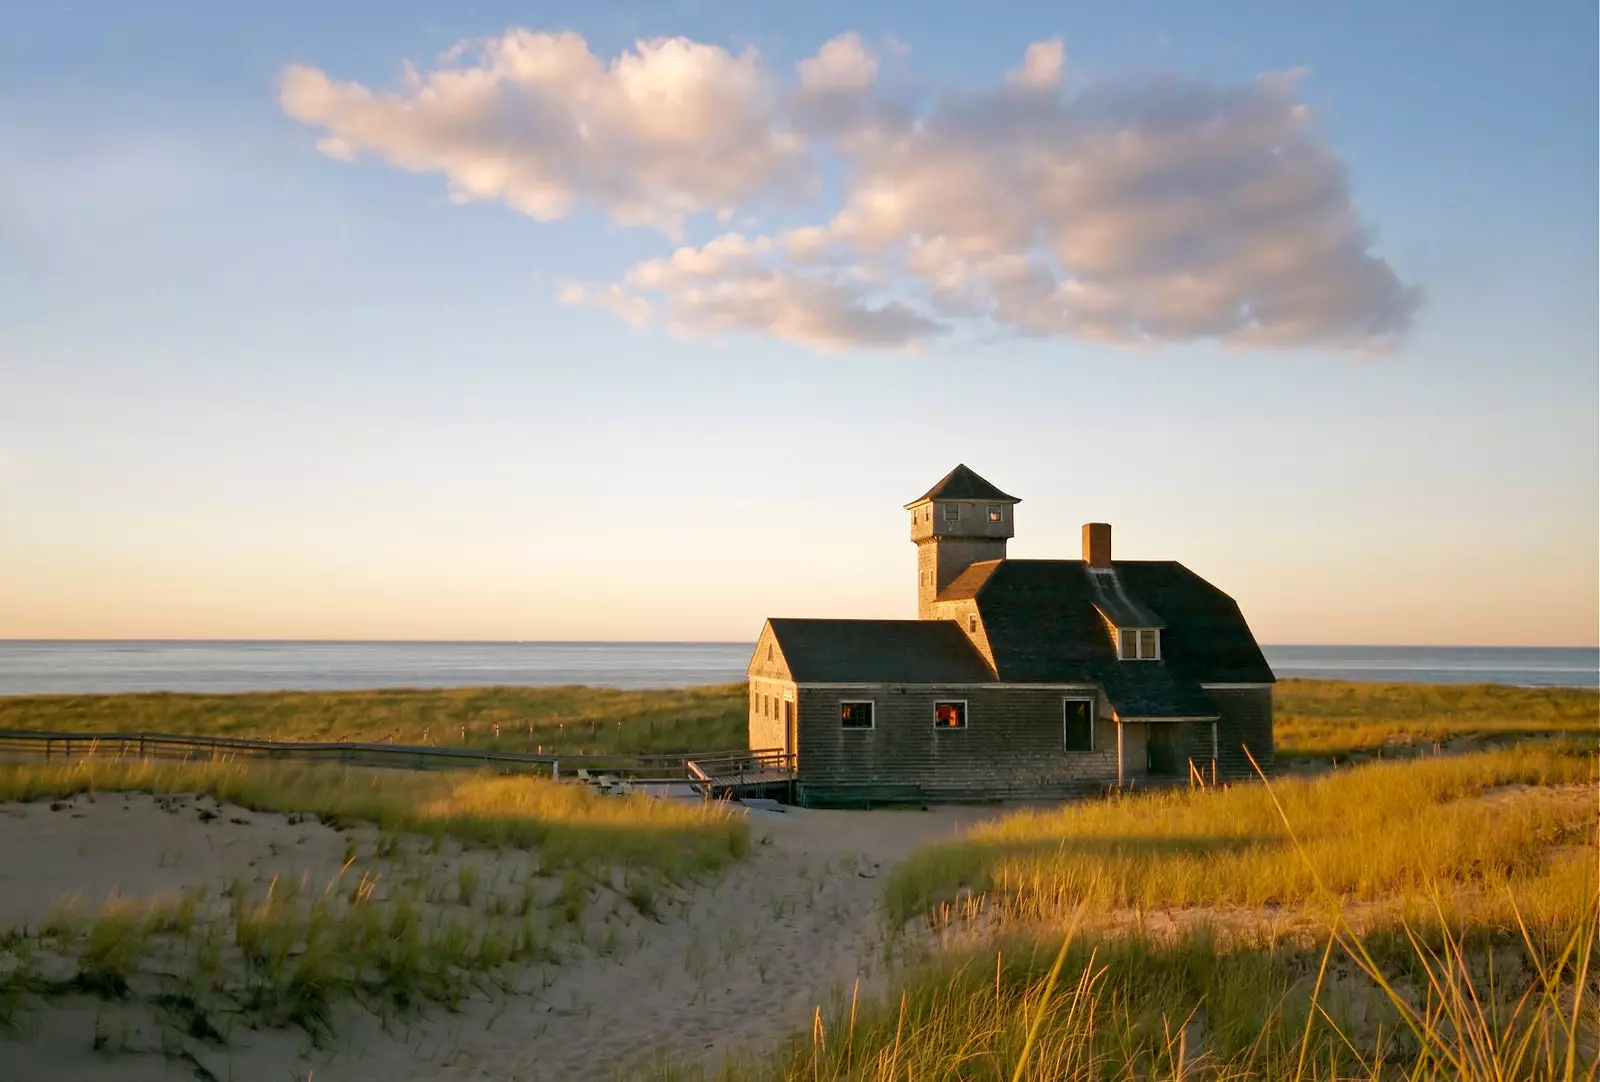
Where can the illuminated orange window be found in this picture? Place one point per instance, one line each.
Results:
(950, 715)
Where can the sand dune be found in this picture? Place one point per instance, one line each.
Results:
(723, 967)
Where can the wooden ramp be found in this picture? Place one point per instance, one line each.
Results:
(753, 774)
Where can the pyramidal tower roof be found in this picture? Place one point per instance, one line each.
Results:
(962, 483)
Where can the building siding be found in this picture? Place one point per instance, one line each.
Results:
(1013, 744)
(1246, 722)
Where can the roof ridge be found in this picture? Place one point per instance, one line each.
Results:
(963, 483)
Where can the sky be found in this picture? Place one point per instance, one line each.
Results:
(643, 321)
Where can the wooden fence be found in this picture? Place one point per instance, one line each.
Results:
(29, 744)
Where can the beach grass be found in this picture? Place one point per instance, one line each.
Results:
(1339, 720)
(1372, 831)
(1192, 1007)
(563, 720)
(1326, 720)
(568, 824)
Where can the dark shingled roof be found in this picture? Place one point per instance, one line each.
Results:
(962, 484)
(1044, 627)
(879, 651)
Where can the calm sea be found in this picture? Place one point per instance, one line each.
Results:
(31, 668)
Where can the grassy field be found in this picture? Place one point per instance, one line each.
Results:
(1336, 719)
(1427, 919)
(569, 824)
(567, 720)
(1315, 719)
(1367, 832)
(1078, 1007)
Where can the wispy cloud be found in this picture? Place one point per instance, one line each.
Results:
(1149, 209)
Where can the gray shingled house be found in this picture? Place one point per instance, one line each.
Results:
(1020, 678)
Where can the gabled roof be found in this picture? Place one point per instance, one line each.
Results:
(962, 483)
(1043, 626)
(879, 651)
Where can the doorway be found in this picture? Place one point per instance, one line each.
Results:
(1164, 754)
(791, 751)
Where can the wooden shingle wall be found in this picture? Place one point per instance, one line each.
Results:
(1013, 744)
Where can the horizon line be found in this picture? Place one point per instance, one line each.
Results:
(701, 642)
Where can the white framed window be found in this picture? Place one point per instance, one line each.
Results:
(1077, 724)
(856, 714)
(950, 714)
(952, 513)
(994, 512)
(1138, 644)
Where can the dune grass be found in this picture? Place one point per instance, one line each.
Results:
(564, 720)
(1370, 831)
(569, 824)
(1336, 719)
(1315, 719)
(1131, 1009)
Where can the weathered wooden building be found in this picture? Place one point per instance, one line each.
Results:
(1020, 678)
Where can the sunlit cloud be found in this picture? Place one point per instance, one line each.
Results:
(1141, 210)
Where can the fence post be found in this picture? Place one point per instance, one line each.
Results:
(555, 769)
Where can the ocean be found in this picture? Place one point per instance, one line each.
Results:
(85, 667)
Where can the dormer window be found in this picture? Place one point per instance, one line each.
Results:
(1138, 644)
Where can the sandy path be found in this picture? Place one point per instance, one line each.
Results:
(727, 966)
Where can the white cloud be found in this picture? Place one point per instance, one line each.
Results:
(666, 130)
(1147, 209)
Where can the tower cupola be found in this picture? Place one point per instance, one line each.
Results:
(958, 522)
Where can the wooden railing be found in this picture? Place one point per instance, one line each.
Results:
(33, 744)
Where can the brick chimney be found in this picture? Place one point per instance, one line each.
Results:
(1097, 544)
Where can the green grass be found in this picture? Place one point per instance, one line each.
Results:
(1370, 831)
(1336, 719)
(565, 720)
(569, 824)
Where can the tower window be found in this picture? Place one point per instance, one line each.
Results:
(952, 513)
(994, 512)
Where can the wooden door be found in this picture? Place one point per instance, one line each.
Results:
(1164, 757)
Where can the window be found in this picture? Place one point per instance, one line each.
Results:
(972, 623)
(1139, 644)
(950, 715)
(856, 715)
(994, 512)
(1078, 724)
(952, 513)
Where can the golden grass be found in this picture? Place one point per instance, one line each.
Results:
(1370, 832)
(568, 823)
(1479, 966)
(1315, 719)
(1336, 719)
(565, 720)
(1078, 1007)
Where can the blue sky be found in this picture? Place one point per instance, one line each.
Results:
(249, 389)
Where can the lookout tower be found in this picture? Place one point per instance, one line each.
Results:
(958, 522)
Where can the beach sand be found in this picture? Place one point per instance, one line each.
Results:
(727, 966)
